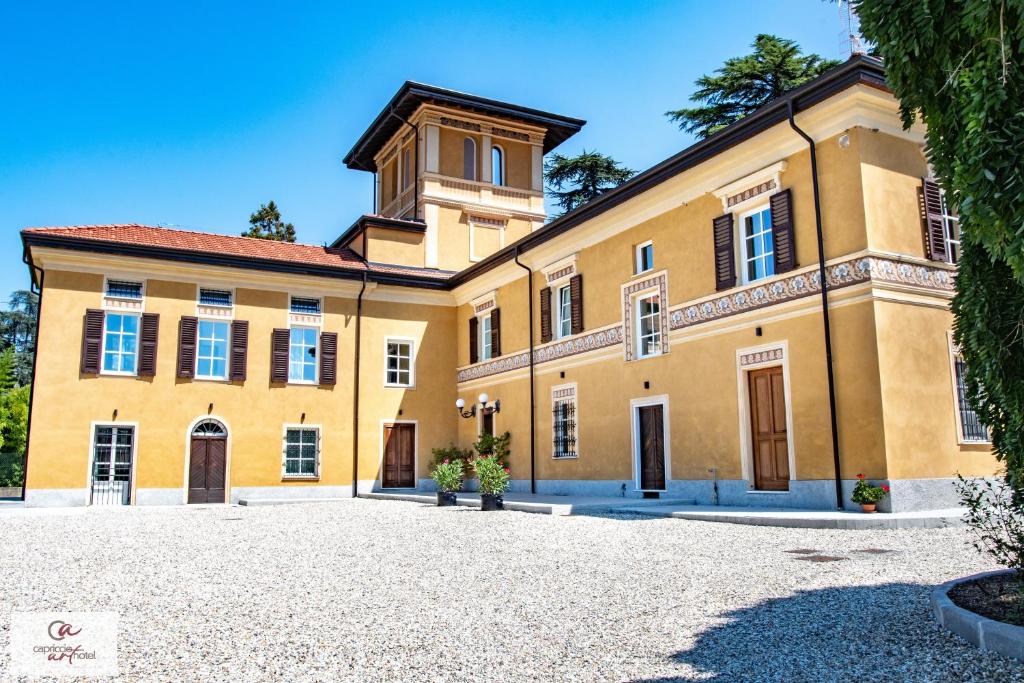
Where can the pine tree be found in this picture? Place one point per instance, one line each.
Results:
(8, 362)
(744, 84)
(574, 181)
(266, 224)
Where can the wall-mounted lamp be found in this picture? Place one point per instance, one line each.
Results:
(484, 408)
(115, 414)
(302, 418)
(210, 409)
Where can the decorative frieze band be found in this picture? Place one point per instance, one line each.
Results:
(750, 193)
(506, 133)
(459, 123)
(799, 285)
(567, 271)
(765, 356)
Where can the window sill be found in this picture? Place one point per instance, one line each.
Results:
(222, 380)
(109, 373)
(648, 357)
(300, 477)
(388, 385)
(298, 383)
(565, 457)
(641, 273)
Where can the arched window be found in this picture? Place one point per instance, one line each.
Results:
(209, 428)
(469, 159)
(497, 166)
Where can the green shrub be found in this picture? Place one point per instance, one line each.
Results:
(498, 446)
(453, 453)
(866, 493)
(493, 475)
(447, 475)
(996, 521)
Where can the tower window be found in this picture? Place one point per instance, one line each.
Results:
(469, 159)
(497, 166)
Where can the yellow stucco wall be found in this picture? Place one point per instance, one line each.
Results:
(394, 246)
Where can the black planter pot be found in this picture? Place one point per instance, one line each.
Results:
(445, 498)
(489, 502)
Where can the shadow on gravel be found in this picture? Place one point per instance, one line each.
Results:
(883, 632)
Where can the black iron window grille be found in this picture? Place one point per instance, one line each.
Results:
(970, 424)
(564, 422)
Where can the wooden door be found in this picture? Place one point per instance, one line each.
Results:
(399, 456)
(652, 447)
(207, 469)
(769, 440)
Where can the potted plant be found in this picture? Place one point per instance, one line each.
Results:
(454, 454)
(447, 475)
(867, 494)
(493, 477)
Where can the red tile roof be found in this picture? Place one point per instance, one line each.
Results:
(231, 245)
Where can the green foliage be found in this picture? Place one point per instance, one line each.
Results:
(447, 474)
(8, 367)
(266, 224)
(998, 524)
(865, 493)
(452, 453)
(574, 181)
(492, 474)
(17, 331)
(14, 419)
(744, 84)
(12, 469)
(498, 446)
(956, 66)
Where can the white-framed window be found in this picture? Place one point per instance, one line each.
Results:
(301, 451)
(399, 367)
(120, 343)
(484, 347)
(950, 231)
(563, 312)
(644, 257)
(212, 349)
(305, 305)
(563, 422)
(648, 325)
(971, 428)
(302, 354)
(469, 158)
(125, 290)
(223, 298)
(497, 165)
(757, 249)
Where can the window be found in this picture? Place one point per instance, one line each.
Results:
(302, 355)
(122, 289)
(469, 159)
(112, 464)
(406, 167)
(120, 343)
(970, 425)
(564, 429)
(398, 367)
(950, 232)
(497, 166)
(485, 338)
(758, 252)
(301, 451)
(306, 305)
(644, 257)
(215, 297)
(648, 315)
(563, 312)
(212, 350)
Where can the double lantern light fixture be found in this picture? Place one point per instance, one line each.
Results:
(484, 408)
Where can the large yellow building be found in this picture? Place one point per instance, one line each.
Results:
(671, 337)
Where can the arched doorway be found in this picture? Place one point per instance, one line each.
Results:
(207, 467)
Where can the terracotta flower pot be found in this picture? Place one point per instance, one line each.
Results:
(446, 498)
(867, 507)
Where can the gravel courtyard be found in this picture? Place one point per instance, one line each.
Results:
(382, 590)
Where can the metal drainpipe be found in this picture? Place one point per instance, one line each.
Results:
(533, 400)
(416, 164)
(35, 360)
(824, 306)
(355, 401)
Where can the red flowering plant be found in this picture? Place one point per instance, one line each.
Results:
(447, 475)
(493, 475)
(866, 493)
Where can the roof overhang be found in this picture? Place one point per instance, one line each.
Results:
(370, 221)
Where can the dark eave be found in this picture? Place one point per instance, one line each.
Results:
(34, 239)
(411, 95)
(858, 70)
(370, 221)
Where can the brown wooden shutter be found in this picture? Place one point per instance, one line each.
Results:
(329, 358)
(473, 348)
(576, 303)
(239, 350)
(725, 257)
(782, 230)
(495, 333)
(545, 315)
(148, 333)
(188, 327)
(279, 355)
(92, 341)
(931, 214)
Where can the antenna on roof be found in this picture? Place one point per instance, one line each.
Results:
(850, 42)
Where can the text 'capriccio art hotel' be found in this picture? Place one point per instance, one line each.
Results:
(666, 338)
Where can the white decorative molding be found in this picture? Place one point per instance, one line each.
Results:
(750, 186)
(762, 356)
(485, 302)
(560, 269)
(656, 282)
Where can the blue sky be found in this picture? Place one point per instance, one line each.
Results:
(191, 115)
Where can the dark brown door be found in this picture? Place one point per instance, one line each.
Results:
(487, 423)
(769, 440)
(207, 469)
(399, 456)
(652, 447)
